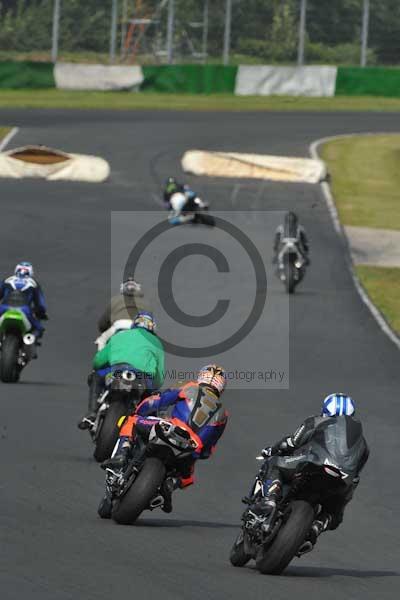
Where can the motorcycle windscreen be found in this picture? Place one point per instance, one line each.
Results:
(340, 441)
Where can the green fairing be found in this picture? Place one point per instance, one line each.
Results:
(137, 347)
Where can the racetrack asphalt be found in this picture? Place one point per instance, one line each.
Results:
(53, 545)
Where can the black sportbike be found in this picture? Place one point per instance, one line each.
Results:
(140, 487)
(122, 394)
(275, 539)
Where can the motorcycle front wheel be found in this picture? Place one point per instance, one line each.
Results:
(238, 556)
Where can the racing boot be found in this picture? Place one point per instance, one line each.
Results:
(87, 421)
(319, 526)
(120, 456)
(95, 383)
(267, 504)
(169, 485)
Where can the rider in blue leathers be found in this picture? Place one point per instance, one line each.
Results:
(22, 291)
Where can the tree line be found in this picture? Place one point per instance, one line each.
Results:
(262, 30)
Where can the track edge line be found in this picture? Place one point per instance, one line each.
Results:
(7, 139)
(329, 199)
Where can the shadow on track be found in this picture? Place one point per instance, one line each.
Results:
(184, 523)
(45, 383)
(332, 572)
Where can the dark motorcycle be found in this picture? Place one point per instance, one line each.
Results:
(122, 394)
(275, 539)
(140, 486)
(17, 344)
(291, 264)
(201, 214)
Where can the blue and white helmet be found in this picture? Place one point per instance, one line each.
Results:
(338, 405)
(24, 269)
(145, 320)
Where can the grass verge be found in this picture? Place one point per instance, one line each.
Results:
(53, 98)
(383, 287)
(365, 174)
(4, 131)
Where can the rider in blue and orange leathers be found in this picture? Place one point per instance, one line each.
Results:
(196, 406)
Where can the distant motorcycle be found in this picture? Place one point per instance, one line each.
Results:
(139, 488)
(17, 344)
(274, 540)
(121, 396)
(195, 213)
(291, 264)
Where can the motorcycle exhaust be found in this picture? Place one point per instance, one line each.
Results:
(29, 339)
(128, 376)
(305, 548)
(157, 502)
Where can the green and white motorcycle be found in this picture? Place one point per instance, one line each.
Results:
(17, 344)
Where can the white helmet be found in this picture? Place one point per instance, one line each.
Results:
(130, 287)
(24, 269)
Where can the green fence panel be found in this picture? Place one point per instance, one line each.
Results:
(26, 74)
(190, 79)
(369, 81)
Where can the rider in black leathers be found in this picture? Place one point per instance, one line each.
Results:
(292, 229)
(337, 414)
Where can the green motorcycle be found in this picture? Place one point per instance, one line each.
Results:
(17, 344)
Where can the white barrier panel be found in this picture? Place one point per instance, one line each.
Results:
(46, 163)
(70, 76)
(285, 81)
(253, 166)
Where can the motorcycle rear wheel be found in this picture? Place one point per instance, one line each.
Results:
(109, 431)
(290, 537)
(144, 488)
(9, 370)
